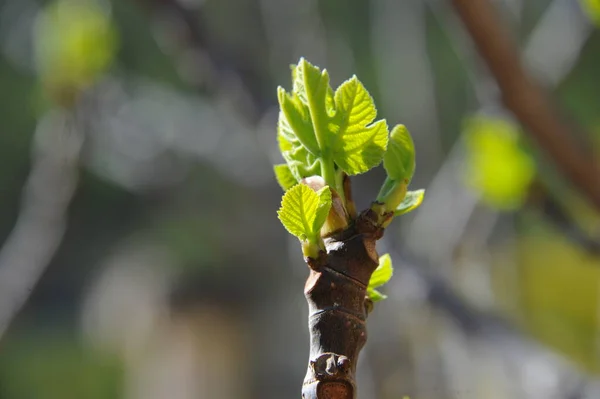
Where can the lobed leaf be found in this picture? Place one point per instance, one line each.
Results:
(363, 151)
(357, 144)
(399, 159)
(303, 211)
(319, 129)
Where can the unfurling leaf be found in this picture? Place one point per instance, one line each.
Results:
(380, 276)
(303, 211)
(298, 119)
(302, 163)
(399, 159)
(337, 218)
(319, 130)
(284, 176)
(412, 200)
(357, 144)
(322, 209)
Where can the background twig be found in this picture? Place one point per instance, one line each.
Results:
(526, 99)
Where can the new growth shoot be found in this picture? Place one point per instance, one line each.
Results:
(325, 136)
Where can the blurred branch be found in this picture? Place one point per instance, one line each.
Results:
(526, 99)
(554, 65)
(41, 223)
(554, 212)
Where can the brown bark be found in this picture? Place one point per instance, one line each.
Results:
(338, 309)
(526, 98)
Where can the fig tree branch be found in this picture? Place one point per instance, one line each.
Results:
(527, 99)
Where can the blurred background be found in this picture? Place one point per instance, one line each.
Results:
(140, 252)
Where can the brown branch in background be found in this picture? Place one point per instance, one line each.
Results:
(540, 199)
(526, 99)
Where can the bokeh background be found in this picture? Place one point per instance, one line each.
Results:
(141, 256)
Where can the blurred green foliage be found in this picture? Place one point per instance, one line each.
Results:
(558, 294)
(75, 42)
(497, 167)
(54, 365)
(592, 7)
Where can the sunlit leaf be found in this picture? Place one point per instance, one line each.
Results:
(357, 144)
(380, 276)
(383, 273)
(297, 117)
(320, 129)
(399, 159)
(303, 211)
(412, 200)
(325, 203)
(375, 295)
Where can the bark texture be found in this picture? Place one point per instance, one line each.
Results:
(338, 308)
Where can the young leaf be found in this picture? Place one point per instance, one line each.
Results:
(297, 119)
(383, 273)
(357, 144)
(303, 211)
(301, 162)
(284, 176)
(375, 295)
(315, 86)
(325, 203)
(399, 159)
(412, 200)
(380, 276)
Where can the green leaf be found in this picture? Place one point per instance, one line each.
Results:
(319, 129)
(325, 202)
(303, 211)
(399, 159)
(284, 176)
(380, 276)
(412, 200)
(315, 85)
(303, 122)
(357, 144)
(383, 273)
(375, 295)
(302, 163)
(297, 119)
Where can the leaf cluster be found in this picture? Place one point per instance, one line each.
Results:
(334, 134)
